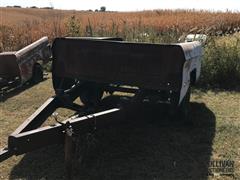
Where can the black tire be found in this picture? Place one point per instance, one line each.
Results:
(180, 112)
(91, 94)
(62, 83)
(183, 109)
(37, 74)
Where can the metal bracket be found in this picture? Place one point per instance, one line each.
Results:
(68, 149)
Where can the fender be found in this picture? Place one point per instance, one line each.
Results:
(193, 53)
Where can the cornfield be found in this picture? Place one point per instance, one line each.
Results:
(20, 26)
(221, 61)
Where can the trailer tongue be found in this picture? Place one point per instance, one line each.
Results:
(86, 67)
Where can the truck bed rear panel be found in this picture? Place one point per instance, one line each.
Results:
(8, 65)
(149, 66)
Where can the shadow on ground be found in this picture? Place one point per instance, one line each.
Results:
(16, 90)
(148, 145)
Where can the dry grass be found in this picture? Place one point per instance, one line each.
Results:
(136, 150)
(159, 19)
(141, 149)
(18, 27)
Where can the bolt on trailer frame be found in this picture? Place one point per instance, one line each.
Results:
(86, 67)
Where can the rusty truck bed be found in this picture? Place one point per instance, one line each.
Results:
(149, 66)
(20, 63)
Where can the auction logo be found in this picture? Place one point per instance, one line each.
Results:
(221, 167)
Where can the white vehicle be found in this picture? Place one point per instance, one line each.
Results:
(202, 38)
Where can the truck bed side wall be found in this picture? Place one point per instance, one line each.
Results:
(29, 55)
(148, 66)
(21, 63)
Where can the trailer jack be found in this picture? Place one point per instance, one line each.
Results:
(68, 149)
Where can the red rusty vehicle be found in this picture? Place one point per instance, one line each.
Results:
(17, 68)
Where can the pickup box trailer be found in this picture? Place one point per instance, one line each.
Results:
(19, 67)
(86, 67)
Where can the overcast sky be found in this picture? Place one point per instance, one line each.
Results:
(129, 5)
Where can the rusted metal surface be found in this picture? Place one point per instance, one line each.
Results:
(28, 56)
(20, 63)
(8, 65)
(39, 116)
(5, 154)
(148, 66)
(97, 38)
(68, 149)
(49, 135)
(149, 71)
(191, 50)
(30, 135)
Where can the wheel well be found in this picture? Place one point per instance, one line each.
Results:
(36, 64)
(37, 73)
(193, 76)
